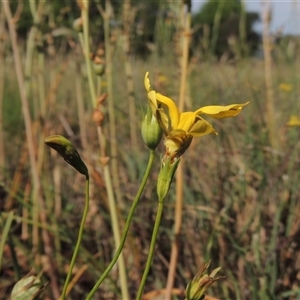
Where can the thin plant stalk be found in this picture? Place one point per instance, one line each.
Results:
(25, 212)
(30, 47)
(4, 235)
(151, 248)
(2, 69)
(114, 219)
(127, 20)
(57, 210)
(107, 177)
(111, 109)
(84, 38)
(268, 77)
(41, 110)
(242, 29)
(185, 57)
(80, 233)
(27, 81)
(127, 225)
(180, 170)
(55, 76)
(216, 27)
(113, 212)
(30, 143)
(81, 114)
(41, 84)
(80, 107)
(17, 179)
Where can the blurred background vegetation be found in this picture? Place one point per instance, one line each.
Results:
(241, 189)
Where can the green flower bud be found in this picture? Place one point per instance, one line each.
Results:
(197, 288)
(77, 25)
(99, 69)
(66, 149)
(27, 288)
(151, 130)
(165, 177)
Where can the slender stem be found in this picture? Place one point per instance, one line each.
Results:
(127, 21)
(112, 203)
(80, 233)
(185, 58)
(216, 27)
(177, 228)
(116, 229)
(84, 39)
(152, 248)
(113, 214)
(80, 108)
(127, 225)
(242, 29)
(111, 108)
(5, 234)
(2, 47)
(180, 170)
(267, 47)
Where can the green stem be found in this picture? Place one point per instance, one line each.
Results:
(84, 39)
(127, 225)
(80, 233)
(152, 248)
(5, 234)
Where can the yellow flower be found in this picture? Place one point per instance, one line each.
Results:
(285, 87)
(180, 127)
(293, 121)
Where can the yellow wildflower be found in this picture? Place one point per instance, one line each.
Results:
(293, 121)
(180, 127)
(285, 87)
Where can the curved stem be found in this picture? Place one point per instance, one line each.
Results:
(127, 225)
(80, 233)
(152, 248)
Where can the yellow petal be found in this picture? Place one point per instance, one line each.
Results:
(219, 112)
(201, 127)
(163, 120)
(173, 110)
(152, 100)
(147, 82)
(186, 121)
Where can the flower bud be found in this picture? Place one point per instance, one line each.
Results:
(197, 288)
(98, 117)
(27, 288)
(99, 69)
(151, 130)
(165, 177)
(66, 149)
(77, 25)
(98, 65)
